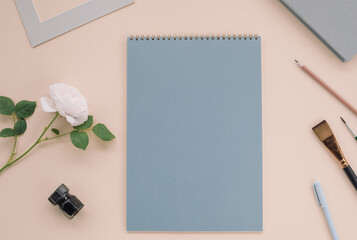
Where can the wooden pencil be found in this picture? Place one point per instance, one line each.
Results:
(327, 87)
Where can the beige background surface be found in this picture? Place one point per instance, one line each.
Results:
(93, 59)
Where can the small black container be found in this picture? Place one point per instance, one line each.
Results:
(69, 204)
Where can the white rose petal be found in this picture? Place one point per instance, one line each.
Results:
(71, 120)
(68, 102)
(47, 105)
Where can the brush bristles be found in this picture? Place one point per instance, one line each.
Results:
(322, 130)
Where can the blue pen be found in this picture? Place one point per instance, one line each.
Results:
(321, 201)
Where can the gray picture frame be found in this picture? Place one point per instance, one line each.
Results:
(39, 32)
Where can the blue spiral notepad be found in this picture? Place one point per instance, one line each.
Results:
(194, 134)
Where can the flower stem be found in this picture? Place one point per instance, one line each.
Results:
(15, 142)
(47, 139)
(34, 145)
(13, 150)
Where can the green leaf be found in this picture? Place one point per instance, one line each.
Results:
(20, 126)
(86, 124)
(101, 131)
(24, 109)
(7, 132)
(55, 131)
(7, 106)
(80, 139)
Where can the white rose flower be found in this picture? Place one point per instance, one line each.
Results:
(68, 102)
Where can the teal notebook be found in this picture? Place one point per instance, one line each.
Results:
(194, 134)
(333, 22)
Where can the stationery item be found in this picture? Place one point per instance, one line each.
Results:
(328, 88)
(325, 134)
(68, 203)
(194, 133)
(321, 201)
(354, 135)
(333, 22)
(39, 32)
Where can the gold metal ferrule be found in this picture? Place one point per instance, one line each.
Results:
(335, 149)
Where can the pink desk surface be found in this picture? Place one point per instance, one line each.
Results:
(93, 58)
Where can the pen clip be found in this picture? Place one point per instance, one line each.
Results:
(319, 194)
(316, 195)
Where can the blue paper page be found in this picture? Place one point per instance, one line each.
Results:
(194, 134)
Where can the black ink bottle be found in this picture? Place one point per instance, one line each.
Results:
(68, 203)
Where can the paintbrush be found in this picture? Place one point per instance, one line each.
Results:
(325, 134)
(354, 135)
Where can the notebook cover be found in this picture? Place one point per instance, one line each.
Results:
(39, 31)
(194, 134)
(333, 22)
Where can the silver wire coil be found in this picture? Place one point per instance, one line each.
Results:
(197, 37)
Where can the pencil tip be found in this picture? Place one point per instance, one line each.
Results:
(342, 120)
(299, 63)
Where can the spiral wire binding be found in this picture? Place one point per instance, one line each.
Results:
(191, 37)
